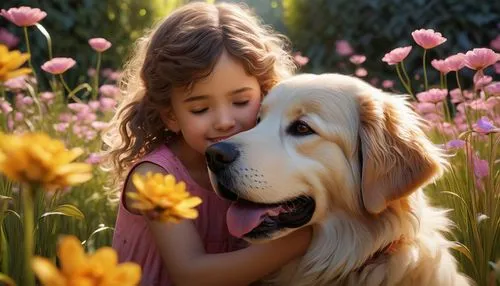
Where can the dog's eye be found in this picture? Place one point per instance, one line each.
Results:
(299, 128)
(258, 120)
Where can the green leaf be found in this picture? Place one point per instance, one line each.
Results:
(66, 210)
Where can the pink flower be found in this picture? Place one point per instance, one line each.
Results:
(18, 116)
(484, 126)
(299, 59)
(17, 83)
(5, 106)
(481, 80)
(61, 127)
(433, 95)
(10, 40)
(495, 43)
(397, 55)
(480, 58)
(455, 62)
(107, 104)
(357, 59)
(47, 97)
(493, 89)
(58, 65)
(93, 159)
(91, 72)
(481, 168)
(387, 83)
(79, 107)
(23, 16)
(426, 107)
(99, 125)
(441, 66)
(99, 44)
(94, 105)
(343, 48)
(361, 72)
(497, 68)
(428, 39)
(109, 90)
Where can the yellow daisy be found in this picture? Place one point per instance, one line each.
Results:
(10, 63)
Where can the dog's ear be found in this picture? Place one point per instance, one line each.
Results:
(398, 158)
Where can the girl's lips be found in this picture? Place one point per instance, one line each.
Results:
(218, 139)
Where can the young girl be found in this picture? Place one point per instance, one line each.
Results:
(198, 78)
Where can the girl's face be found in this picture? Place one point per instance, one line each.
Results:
(221, 105)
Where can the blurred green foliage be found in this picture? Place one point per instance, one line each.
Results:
(71, 23)
(374, 27)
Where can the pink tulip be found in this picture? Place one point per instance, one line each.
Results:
(428, 39)
(58, 65)
(361, 72)
(357, 59)
(495, 43)
(99, 44)
(397, 55)
(343, 48)
(480, 58)
(433, 95)
(23, 16)
(455, 62)
(299, 59)
(10, 40)
(441, 66)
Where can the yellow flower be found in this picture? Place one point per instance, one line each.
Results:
(98, 269)
(10, 63)
(35, 158)
(160, 194)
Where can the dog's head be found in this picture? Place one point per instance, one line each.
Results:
(324, 143)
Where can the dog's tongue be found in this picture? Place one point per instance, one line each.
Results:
(242, 217)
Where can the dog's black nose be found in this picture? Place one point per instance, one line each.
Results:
(220, 155)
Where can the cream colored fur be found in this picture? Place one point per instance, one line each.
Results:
(360, 207)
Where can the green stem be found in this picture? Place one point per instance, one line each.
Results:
(96, 79)
(403, 82)
(28, 223)
(425, 70)
(2, 91)
(26, 38)
(463, 97)
(68, 90)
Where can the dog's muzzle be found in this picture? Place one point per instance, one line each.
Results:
(219, 157)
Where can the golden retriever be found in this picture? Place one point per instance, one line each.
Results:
(336, 153)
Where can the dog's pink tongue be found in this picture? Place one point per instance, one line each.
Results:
(242, 217)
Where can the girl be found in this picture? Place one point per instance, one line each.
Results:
(198, 78)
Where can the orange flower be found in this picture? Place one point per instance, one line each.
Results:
(98, 269)
(10, 63)
(161, 195)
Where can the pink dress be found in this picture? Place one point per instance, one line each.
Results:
(133, 241)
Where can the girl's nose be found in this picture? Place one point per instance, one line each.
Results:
(224, 121)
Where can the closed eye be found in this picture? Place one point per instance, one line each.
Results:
(199, 111)
(241, 103)
(299, 128)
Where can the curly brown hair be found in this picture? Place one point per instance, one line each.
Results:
(178, 52)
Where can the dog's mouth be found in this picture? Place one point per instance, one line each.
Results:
(252, 220)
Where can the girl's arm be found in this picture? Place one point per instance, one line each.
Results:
(187, 263)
